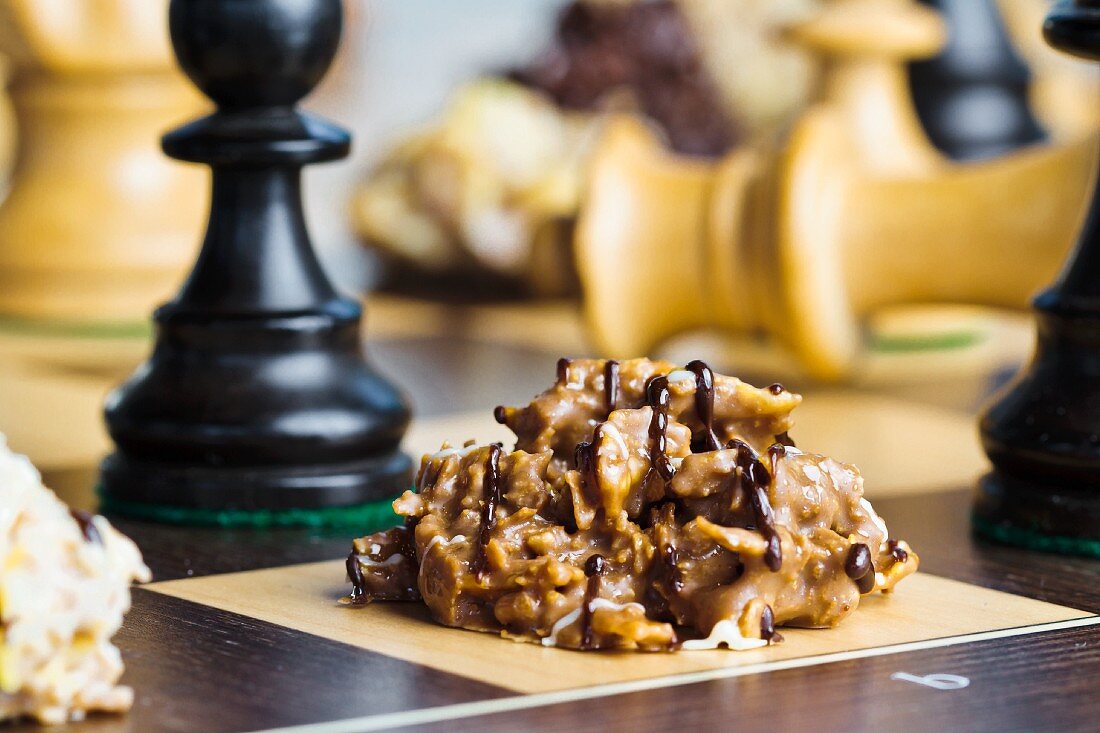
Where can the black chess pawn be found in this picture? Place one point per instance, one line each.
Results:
(257, 399)
(973, 98)
(1043, 432)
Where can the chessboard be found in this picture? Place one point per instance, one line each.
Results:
(241, 630)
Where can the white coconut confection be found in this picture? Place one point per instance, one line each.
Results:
(64, 587)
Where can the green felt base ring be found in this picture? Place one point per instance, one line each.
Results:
(363, 518)
(1032, 540)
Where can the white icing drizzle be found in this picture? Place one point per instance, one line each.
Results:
(681, 375)
(372, 563)
(598, 603)
(866, 505)
(569, 618)
(724, 632)
(460, 452)
(552, 639)
(610, 431)
(438, 540)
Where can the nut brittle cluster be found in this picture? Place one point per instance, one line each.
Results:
(645, 506)
(64, 588)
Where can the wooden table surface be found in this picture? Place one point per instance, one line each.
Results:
(200, 667)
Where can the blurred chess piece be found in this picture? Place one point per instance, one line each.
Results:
(762, 79)
(7, 130)
(481, 202)
(1042, 433)
(1065, 93)
(97, 227)
(855, 212)
(973, 97)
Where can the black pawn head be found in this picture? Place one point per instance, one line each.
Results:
(255, 53)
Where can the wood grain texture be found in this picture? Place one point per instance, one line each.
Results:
(196, 668)
(1006, 694)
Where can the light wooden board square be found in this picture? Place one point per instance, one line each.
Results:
(926, 611)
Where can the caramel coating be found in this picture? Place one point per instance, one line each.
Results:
(613, 524)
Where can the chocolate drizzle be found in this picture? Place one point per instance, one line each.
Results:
(767, 626)
(755, 482)
(594, 568)
(563, 370)
(488, 509)
(671, 558)
(784, 438)
(358, 582)
(704, 401)
(500, 414)
(429, 475)
(896, 552)
(775, 450)
(658, 398)
(585, 457)
(858, 562)
(611, 384)
(859, 567)
(395, 541)
(86, 522)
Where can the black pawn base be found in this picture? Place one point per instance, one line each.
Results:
(261, 488)
(1043, 437)
(1042, 434)
(1045, 518)
(356, 494)
(275, 415)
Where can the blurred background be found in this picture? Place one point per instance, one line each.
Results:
(857, 197)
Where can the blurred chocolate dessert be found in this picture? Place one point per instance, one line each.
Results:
(482, 204)
(640, 56)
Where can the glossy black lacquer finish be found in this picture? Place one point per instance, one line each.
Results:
(257, 394)
(1043, 433)
(973, 97)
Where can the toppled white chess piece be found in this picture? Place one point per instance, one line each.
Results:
(64, 587)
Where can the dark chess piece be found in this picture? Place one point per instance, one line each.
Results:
(1043, 433)
(257, 404)
(972, 98)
